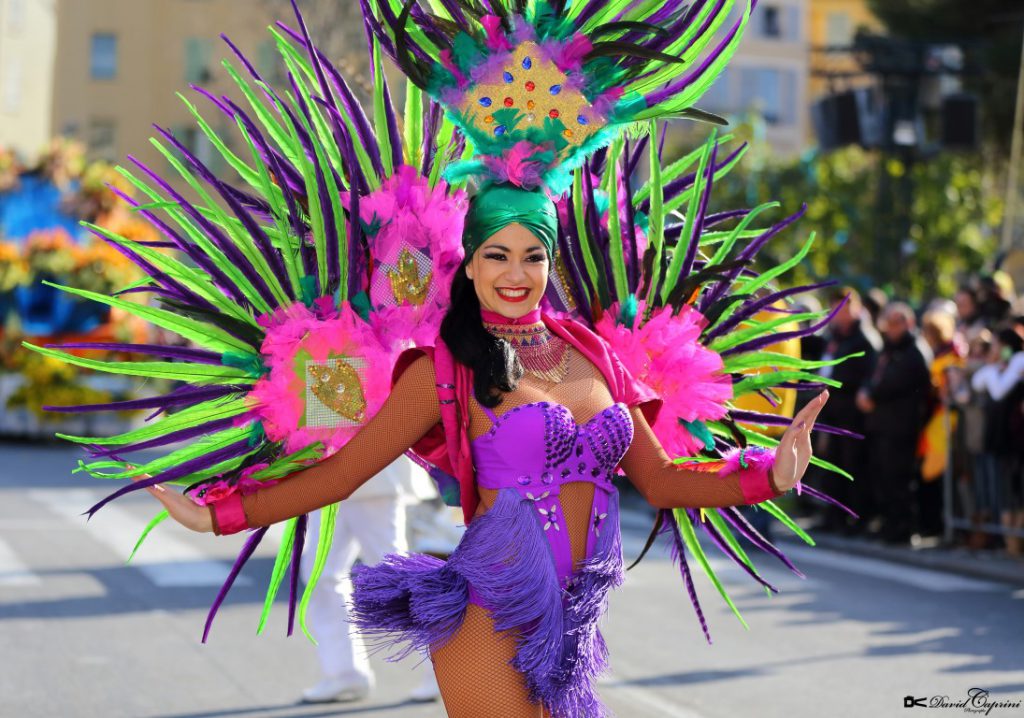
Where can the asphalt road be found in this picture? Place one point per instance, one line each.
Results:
(81, 634)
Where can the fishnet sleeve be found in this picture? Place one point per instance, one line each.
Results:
(408, 413)
(667, 486)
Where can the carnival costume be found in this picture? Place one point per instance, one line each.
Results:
(326, 270)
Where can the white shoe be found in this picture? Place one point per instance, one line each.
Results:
(427, 691)
(337, 690)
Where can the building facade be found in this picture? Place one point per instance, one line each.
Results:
(28, 41)
(102, 71)
(832, 26)
(768, 76)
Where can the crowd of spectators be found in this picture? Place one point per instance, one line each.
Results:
(935, 393)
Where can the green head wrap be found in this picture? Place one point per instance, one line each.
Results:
(496, 206)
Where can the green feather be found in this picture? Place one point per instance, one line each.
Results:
(205, 335)
(184, 419)
(156, 521)
(284, 554)
(690, 538)
(328, 515)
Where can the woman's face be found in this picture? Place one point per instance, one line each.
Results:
(510, 272)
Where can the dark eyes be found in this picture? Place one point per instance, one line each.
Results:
(500, 257)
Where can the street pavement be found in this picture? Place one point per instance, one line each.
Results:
(82, 634)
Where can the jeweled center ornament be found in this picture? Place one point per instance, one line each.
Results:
(406, 283)
(337, 385)
(502, 87)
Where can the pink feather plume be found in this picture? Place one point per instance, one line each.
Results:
(297, 335)
(666, 354)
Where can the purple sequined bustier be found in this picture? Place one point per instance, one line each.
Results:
(515, 560)
(536, 448)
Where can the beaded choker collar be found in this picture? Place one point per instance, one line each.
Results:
(540, 352)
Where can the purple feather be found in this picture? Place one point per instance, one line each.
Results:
(191, 432)
(762, 342)
(218, 238)
(756, 417)
(239, 448)
(255, 232)
(745, 529)
(822, 496)
(725, 548)
(681, 184)
(702, 211)
(186, 396)
(244, 555)
(293, 582)
(674, 88)
(196, 356)
(204, 263)
(678, 551)
(330, 282)
(719, 289)
(752, 308)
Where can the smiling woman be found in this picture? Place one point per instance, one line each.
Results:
(509, 271)
(349, 305)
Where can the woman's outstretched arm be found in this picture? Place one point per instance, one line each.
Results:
(666, 485)
(408, 413)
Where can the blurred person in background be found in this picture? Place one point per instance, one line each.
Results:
(976, 493)
(994, 292)
(895, 401)
(848, 334)
(1001, 383)
(969, 321)
(369, 525)
(874, 301)
(938, 329)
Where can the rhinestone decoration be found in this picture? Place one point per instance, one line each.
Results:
(336, 384)
(406, 282)
(598, 520)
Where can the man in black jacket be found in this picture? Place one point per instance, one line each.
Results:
(895, 401)
(849, 334)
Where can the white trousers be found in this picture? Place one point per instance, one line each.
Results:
(367, 529)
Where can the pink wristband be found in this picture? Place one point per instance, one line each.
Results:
(753, 465)
(228, 514)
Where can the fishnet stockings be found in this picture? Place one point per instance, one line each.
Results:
(474, 673)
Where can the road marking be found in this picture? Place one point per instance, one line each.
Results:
(922, 578)
(163, 559)
(653, 702)
(12, 571)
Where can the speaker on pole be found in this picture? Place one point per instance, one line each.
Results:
(845, 118)
(960, 122)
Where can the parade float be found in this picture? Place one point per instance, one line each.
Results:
(43, 243)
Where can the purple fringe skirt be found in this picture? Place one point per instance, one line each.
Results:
(416, 603)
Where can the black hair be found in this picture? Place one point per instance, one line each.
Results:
(493, 362)
(1009, 338)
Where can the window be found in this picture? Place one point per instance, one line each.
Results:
(838, 30)
(102, 139)
(198, 53)
(15, 15)
(718, 98)
(772, 92)
(103, 56)
(771, 25)
(11, 82)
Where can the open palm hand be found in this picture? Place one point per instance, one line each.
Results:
(794, 451)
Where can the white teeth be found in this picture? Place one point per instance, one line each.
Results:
(513, 293)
